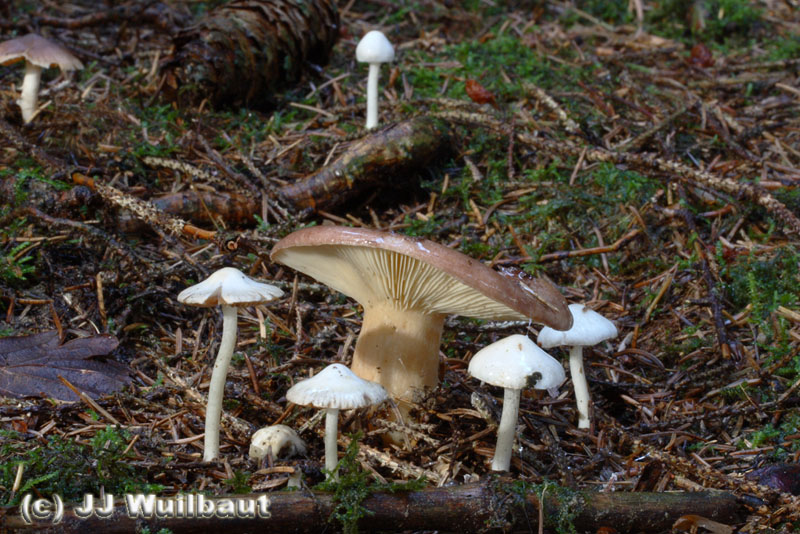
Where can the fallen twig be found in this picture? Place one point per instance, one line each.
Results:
(615, 246)
(494, 504)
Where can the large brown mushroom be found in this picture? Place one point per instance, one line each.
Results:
(39, 54)
(407, 287)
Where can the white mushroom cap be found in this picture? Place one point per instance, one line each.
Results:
(337, 387)
(231, 287)
(39, 51)
(588, 328)
(374, 47)
(277, 438)
(510, 362)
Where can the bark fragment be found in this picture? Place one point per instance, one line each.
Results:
(381, 158)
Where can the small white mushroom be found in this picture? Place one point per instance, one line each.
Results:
(335, 388)
(271, 440)
(588, 328)
(39, 54)
(374, 48)
(513, 363)
(231, 289)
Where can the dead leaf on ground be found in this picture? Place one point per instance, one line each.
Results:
(30, 366)
(782, 477)
(479, 94)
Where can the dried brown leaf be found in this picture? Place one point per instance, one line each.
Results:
(30, 366)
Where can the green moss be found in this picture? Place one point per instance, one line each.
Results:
(68, 468)
(763, 282)
(567, 503)
(352, 486)
(239, 482)
(421, 227)
(784, 48)
(15, 267)
(716, 21)
(610, 11)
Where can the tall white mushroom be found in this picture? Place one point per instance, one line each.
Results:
(513, 363)
(231, 289)
(588, 328)
(374, 48)
(335, 388)
(39, 54)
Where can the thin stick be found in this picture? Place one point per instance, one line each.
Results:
(619, 243)
(88, 400)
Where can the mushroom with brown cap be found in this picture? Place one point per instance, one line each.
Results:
(231, 289)
(588, 328)
(407, 287)
(38, 53)
(513, 363)
(335, 388)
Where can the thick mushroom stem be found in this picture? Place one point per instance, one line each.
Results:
(580, 385)
(30, 91)
(506, 430)
(331, 433)
(372, 95)
(399, 349)
(216, 388)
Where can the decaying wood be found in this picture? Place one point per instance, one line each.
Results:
(243, 51)
(380, 158)
(489, 506)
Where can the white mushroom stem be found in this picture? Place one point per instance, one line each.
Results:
(580, 385)
(217, 387)
(30, 91)
(331, 433)
(506, 430)
(372, 95)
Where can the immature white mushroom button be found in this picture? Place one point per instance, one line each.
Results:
(38, 53)
(374, 48)
(335, 388)
(229, 288)
(588, 328)
(274, 440)
(513, 363)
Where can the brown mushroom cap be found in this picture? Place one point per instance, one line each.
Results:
(39, 51)
(374, 267)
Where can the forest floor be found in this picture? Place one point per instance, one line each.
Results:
(650, 169)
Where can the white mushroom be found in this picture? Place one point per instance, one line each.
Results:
(229, 288)
(588, 328)
(513, 363)
(374, 48)
(39, 54)
(332, 389)
(271, 440)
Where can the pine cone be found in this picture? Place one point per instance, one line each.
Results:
(244, 51)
